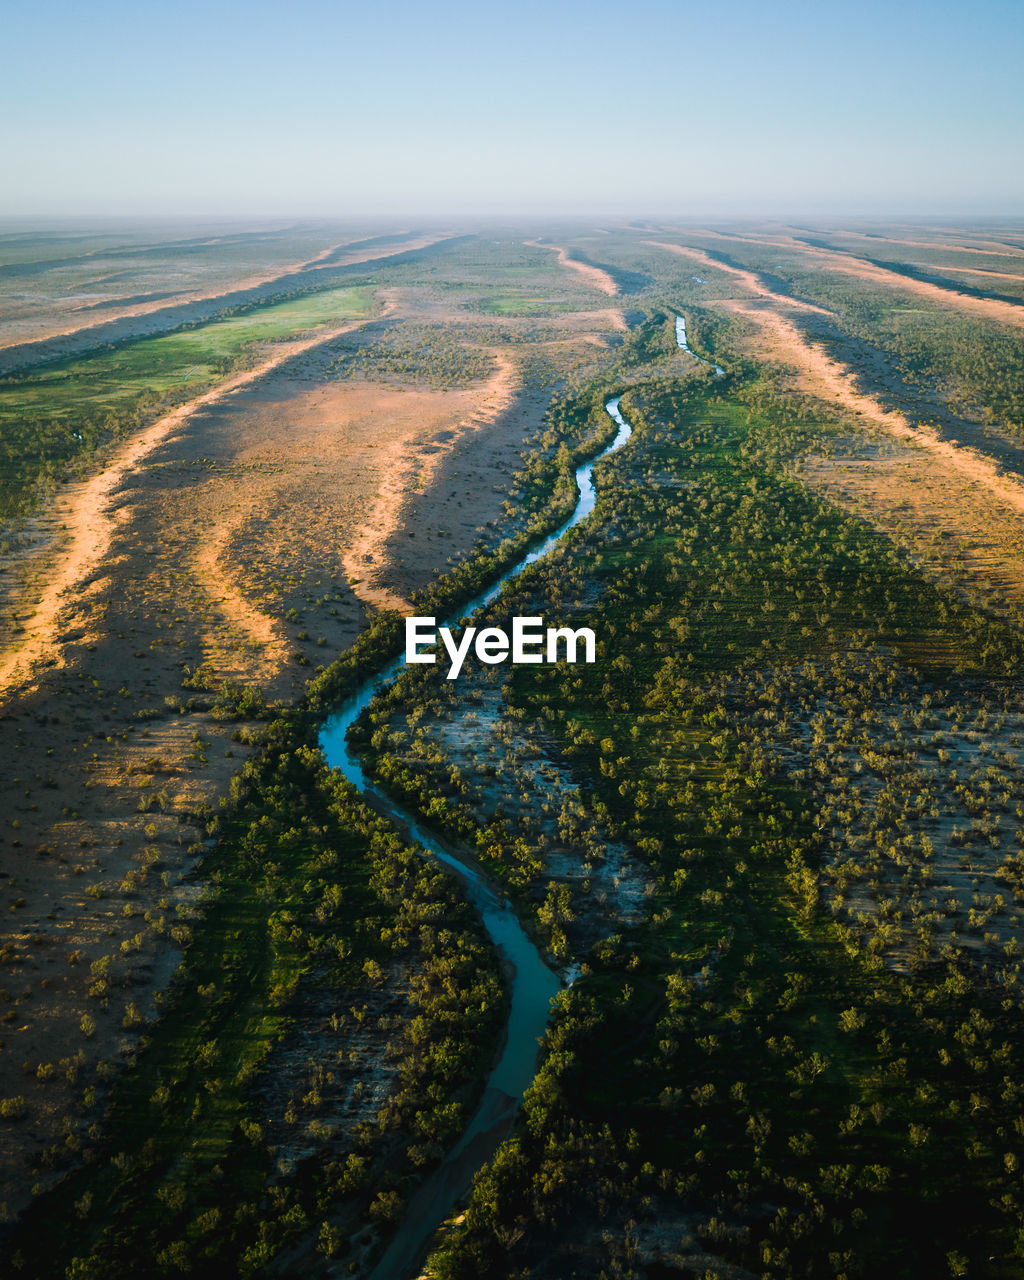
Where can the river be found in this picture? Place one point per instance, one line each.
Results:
(532, 984)
(682, 344)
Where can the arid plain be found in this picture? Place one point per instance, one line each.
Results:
(189, 538)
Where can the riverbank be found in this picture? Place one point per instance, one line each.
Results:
(532, 984)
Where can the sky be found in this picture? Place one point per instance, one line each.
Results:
(341, 109)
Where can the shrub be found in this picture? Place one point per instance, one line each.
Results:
(12, 1108)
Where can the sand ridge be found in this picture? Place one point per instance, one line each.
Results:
(790, 241)
(863, 269)
(937, 245)
(615, 318)
(225, 555)
(978, 271)
(89, 513)
(823, 376)
(948, 523)
(366, 556)
(749, 278)
(260, 630)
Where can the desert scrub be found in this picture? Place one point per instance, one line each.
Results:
(12, 1108)
(314, 900)
(743, 1047)
(426, 355)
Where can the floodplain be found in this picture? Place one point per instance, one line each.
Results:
(769, 840)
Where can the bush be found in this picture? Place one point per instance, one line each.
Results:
(12, 1108)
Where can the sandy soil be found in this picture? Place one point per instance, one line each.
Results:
(615, 318)
(847, 264)
(990, 308)
(222, 537)
(708, 233)
(88, 514)
(407, 468)
(822, 376)
(996, 251)
(927, 484)
(516, 768)
(981, 271)
(748, 278)
(908, 740)
(946, 521)
(785, 239)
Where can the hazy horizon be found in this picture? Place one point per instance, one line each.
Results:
(672, 110)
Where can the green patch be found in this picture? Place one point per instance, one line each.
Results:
(51, 416)
(516, 304)
(310, 892)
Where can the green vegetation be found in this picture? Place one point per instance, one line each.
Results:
(939, 354)
(427, 354)
(774, 830)
(312, 898)
(745, 1047)
(523, 304)
(975, 364)
(315, 905)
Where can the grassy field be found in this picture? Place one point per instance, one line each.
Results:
(56, 280)
(515, 304)
(54, 414)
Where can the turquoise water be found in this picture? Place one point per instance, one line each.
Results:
(532, 985)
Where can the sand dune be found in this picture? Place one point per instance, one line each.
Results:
(89, 513)
(366, 556)
(191, 306)
(749, 278)
(999, 251)
(593, 275)
(821, 375)
(848, 264)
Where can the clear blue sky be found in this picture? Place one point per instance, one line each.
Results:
(307, 107)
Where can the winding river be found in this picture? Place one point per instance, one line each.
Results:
(532, 984)
(681, 343)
